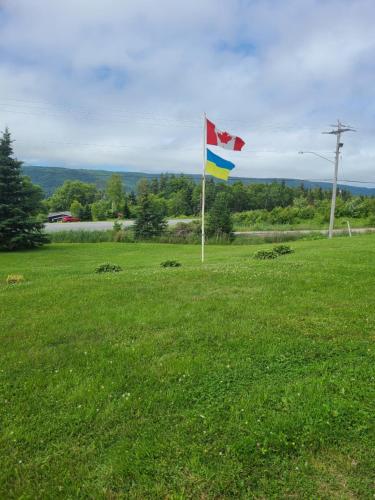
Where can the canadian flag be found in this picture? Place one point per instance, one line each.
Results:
(218, 138)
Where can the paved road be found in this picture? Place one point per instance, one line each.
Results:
(54, 227)
(105, 225)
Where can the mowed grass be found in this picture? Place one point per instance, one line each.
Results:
(236, 379)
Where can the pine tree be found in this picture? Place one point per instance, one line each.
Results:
(150, 220)
(20, 201)
(219, 219)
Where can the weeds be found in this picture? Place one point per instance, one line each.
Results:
(108, 268)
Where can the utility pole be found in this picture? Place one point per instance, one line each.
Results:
(339, 129)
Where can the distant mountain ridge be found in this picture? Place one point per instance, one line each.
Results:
(50, 178)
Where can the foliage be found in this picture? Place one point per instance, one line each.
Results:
(252, 205)
(115, 193)
(108, 268)
(283, 249)
(170, 263)
(76, 208)
(15, 279)
(20, 203)
(71, 191)
(273, 253)
(101, 210)
(265, 254)
(219, 220)
(150, 220)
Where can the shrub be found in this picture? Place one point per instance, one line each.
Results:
(108, 268)
(14, 279)
(170, 263)
(283, 249)
(265, 254)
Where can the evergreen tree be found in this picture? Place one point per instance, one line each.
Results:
(219, 218)
(155, 186)
(126, 209)
(150, 219)
(20, 202)
(132, 199)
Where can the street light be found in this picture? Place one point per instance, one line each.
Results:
(334, 184)
(316, 154)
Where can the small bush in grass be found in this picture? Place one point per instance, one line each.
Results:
(283, 249)
(108, 268)
(14, 279)
(265, 255)
(170, 263)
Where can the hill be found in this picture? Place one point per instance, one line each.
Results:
(50, 178)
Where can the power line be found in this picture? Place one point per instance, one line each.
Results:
(161, 119)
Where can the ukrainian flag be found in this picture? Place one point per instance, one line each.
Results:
(217, 166)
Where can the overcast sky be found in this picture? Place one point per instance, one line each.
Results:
(123, 84)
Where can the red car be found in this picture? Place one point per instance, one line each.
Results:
(69, 218)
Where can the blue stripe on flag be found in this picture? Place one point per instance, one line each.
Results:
(220, 162)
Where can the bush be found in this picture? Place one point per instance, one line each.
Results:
(265, 254)
(283, 249)
(108, 268)
(170, 263)
(14, 279)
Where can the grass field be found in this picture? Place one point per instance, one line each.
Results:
(235, 379)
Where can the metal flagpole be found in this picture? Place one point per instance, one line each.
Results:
(204, 179)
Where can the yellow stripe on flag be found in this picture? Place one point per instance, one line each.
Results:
(220, 173)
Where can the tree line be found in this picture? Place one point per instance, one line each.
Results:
(175, 196)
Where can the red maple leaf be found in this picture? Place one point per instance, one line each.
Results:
(224, 137)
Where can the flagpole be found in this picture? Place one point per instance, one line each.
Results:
(204, 179)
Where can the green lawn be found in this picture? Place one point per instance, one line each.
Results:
(235, 379)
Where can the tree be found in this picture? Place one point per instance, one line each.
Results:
(150, 219)
(143, 188)
(155, 186)
(20, 202)
(100, 210)
(180, 203)
(76, 208)
(85, 213)
(115, 192)
(239, 200)
(70, 191)
(219, 219)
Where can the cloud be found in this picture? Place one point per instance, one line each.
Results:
(124, 84)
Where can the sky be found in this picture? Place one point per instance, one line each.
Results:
(124, 84)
